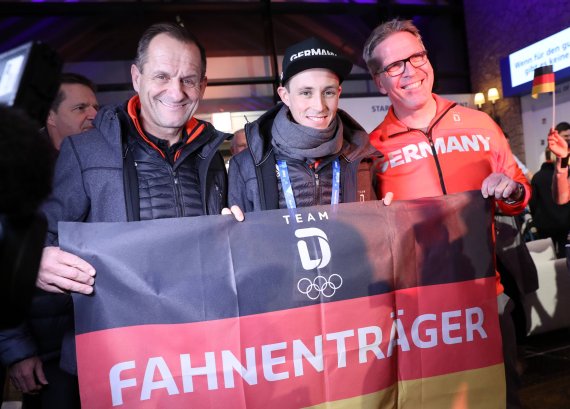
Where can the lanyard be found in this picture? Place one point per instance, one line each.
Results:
(288, 189)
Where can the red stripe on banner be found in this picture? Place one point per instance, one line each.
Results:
(543, 79)
(294, 358)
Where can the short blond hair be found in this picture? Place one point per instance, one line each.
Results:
(382, 32)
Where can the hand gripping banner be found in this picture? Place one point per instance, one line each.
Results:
(348, 306)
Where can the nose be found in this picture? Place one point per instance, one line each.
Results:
(409, 69)
(319, 102)
(175, 90)
(91, 112)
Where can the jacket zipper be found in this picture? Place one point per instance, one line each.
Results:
(178, 190)
(317, 188)
(431, 144)
(437, 164)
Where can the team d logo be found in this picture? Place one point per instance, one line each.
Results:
(320, 285)
(306, 260)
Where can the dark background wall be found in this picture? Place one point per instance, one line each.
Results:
(498, 28)
(465, 38)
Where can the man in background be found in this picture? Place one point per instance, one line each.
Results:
(239, 143)
(73, 108)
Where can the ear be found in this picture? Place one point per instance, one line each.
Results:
(203, 85)
(135, 76)
(339, 90)
(51, 118)
(379, 85)
(284, 95)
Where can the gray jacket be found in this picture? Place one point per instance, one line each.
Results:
(89, 187)
(89, 174)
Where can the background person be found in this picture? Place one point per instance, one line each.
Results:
(73, 109)
(550, 219)
(306, 138)
(239, 142)
(558, 140)
(23, 187)
(420, 139)
(32, 350)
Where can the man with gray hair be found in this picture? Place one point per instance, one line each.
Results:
(434, 147)
(126, 167)
(147, 158)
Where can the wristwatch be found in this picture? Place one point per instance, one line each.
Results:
(564, 162)
(518, 193)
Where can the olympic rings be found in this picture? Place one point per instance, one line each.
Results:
(320, 286)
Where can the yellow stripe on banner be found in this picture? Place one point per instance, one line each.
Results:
(476, 389)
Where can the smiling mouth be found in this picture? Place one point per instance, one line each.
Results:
(171, 105)
(413, 85)
(317, 118)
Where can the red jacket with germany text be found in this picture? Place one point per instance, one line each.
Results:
(460, 149)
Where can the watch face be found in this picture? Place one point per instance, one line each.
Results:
(518, 194)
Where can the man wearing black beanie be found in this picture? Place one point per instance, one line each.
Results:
(304, 151)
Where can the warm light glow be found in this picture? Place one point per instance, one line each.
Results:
(222, 121)
(493, 95)
(479, 99)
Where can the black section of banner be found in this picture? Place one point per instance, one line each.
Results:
(213, 267)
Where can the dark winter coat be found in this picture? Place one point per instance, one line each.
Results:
(253, 181)
(96, 181)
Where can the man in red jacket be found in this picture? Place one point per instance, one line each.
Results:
(434, 147)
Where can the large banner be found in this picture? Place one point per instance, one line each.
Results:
(349, 306)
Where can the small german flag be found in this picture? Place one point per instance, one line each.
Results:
(543, 80)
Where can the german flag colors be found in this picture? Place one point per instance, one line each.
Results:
(543, 80)
(354, 305)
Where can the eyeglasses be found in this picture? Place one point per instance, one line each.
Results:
(398, 67)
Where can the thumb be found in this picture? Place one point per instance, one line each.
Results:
(388, 198)
(40, 374)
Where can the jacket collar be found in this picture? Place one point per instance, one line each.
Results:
(108, 121)
(392, 126)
